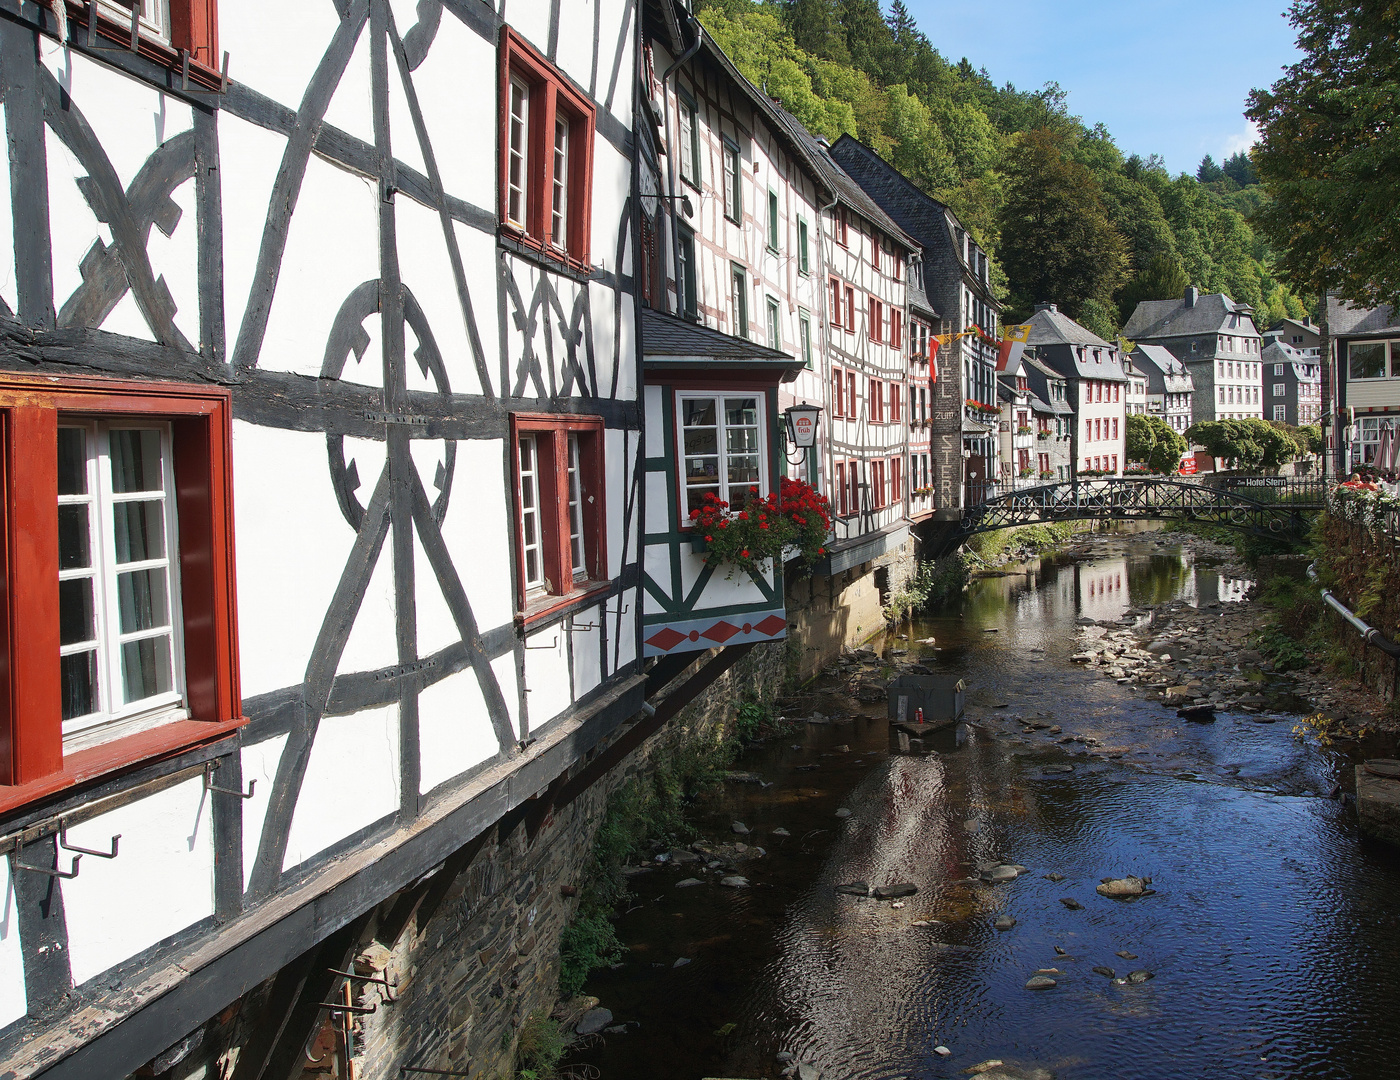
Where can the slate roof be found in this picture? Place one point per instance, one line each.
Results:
(918, 299)
(838, 181)
(1063, 340)
(1165, 373)
(1279, 352)
(1039, 406)
(666, 338)
(1038, 372)
(905, 202)
(1053, 327)
(1347, 321)
(1210, 314)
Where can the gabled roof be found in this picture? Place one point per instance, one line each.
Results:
(1051, 326)
(1278, 352)
(1208, 314)
(672, 341)
(1165, 373)
(1040, 374)
(1039, 406)
(918, 299)
(839, 182)
(1283, 324)
(1343, 320)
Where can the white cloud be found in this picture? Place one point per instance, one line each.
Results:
(1240, 141)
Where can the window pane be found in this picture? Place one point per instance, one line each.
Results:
(72, 461)
(559, 221)
(139, 530)
(142, 601)
(695, 497)
(73, 547)
(701, 441)
(146, 668)
(741, 411)
(77, 620)
(1367, 360)
(519, 140)
(576, 555)
(78, 674)
(743, 468)
(742, 440)
(698, 411)
(136, 461)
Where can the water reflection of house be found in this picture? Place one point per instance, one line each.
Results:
(1103, 588)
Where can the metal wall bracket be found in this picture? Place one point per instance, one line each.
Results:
(54, 872)
(66, 846)
(341, 1007)
(378, 980)
(209, 783)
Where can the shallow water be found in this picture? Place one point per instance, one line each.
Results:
(1273, 935)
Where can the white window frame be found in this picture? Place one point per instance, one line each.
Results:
(518, 186)
(804, 335)
(578, 553)
(1280, 413)
(733, 167)
(559, 195)
(721, 486)
(689, 140)
(530, 486)
(154, 19)
(775, 323)
(114, 719)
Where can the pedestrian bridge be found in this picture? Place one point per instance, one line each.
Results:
(1279, 507)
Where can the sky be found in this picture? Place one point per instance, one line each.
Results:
(1168, 77)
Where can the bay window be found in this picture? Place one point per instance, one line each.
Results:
(546, 158)
(118, 638)
(559, 508)
(722, 438)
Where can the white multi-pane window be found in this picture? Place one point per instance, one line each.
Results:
(154, 15)
(733, 183)
(775, 324)
(690, 142)
(1278, 389)
(531, 533)
(517, 178)
(121, 663)
(559, 207)
(1279, 413)
(722, 446)
(576, 553)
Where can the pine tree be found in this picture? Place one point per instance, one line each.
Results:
(816, 28)
(1208, 172)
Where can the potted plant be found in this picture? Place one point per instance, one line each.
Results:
(796, 516)
(1023, 430)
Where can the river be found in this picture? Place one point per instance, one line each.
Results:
(1272, 935)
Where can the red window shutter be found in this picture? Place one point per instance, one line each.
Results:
(850, 309)
(841, 488)
(194, 27)
(838, 397)
(851, 395)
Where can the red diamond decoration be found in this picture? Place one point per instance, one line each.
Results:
(721, 631)
(771, 625)
(666, 639)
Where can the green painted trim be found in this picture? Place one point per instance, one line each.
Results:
(658, 464)
(657, 593)
(668, 431)
(705, 613)
(706, 572)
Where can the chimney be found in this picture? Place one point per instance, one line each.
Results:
(822, 141)
(1192, 294)
(1053, 309)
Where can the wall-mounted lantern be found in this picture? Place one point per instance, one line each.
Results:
(802, 425)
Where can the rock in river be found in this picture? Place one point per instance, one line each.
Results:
(1106, 972)
(1121, 888)
(1040, 982)
(843, 812)
(688, 882)
(807, 1071)
(1071, 903)
(854, 888)
(594, 1021)
(734, 881)
(1139, 976)
(740, 828)
(1001, 873)
(1004, 922)
(890, 892)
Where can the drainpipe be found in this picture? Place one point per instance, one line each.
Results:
(671, 153)
(1369, 634)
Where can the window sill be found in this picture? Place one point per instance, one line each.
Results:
(140, 749)
(544, 254)
(116, 36)
(550, 607)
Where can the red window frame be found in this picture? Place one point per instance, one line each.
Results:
(836, 302)
(877, 484)
(1115, 462)
(550, 94)
(32, 759)
(194, 31)
(552, 445)
(896, 404)
(875, 252)
(841, 492)
(852, 409)
(838, 394)
(1115, 427)
(1088, 430)
(877, 401)
(841, 227)
(850, 309)
(877, 320)
(896, 328)
(896, 468)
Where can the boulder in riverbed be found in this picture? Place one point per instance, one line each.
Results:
(854, 888)
(891, 892)
(1040, 982)
(594, 1021)
(1122, 888)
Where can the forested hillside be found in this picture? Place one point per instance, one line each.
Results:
(1067, 217)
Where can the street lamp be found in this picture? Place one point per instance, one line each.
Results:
(802, 425)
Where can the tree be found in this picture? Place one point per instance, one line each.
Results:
(1163, 279)
(1154, 443)
(1240, 169)
(1057, 242)
(1208, 172)
(1248, 444)
(1329, 152)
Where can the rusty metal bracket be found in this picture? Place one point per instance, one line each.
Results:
(341, 1007)
(378, 980)
(209, 783)
(66, 846)
(55, 872)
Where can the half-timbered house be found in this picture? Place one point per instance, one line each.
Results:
(321, 444)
